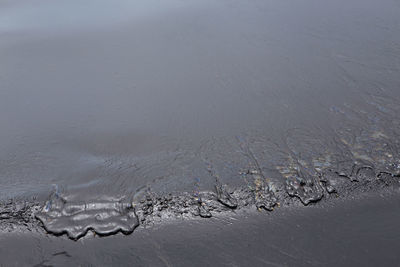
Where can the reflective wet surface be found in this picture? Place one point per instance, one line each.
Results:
(121, 100)
(361, 232)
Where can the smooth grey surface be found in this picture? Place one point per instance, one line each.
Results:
(109, 98)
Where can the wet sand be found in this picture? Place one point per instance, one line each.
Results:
(115, 117)
(346, 232)
(110, 99)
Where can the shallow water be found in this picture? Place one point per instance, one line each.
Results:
(113, 100)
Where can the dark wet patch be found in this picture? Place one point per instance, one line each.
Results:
(225, 197)
(328, 180)
(307, 190)
(203, 210)
(264, 196)
(104, 217)
(364, 173)
(60, 215)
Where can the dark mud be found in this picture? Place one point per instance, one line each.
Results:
(75, 219)
(346, 232)
(139, 113)
(144, 94)
(17, 215)
(109, 216)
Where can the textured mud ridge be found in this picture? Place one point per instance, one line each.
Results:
(18, 215)
(104, 217)
(109, 216)
(308, 168)
(304, 168)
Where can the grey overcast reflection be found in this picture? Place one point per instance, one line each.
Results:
(199, 132)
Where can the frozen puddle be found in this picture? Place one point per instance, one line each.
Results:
(104, 217)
